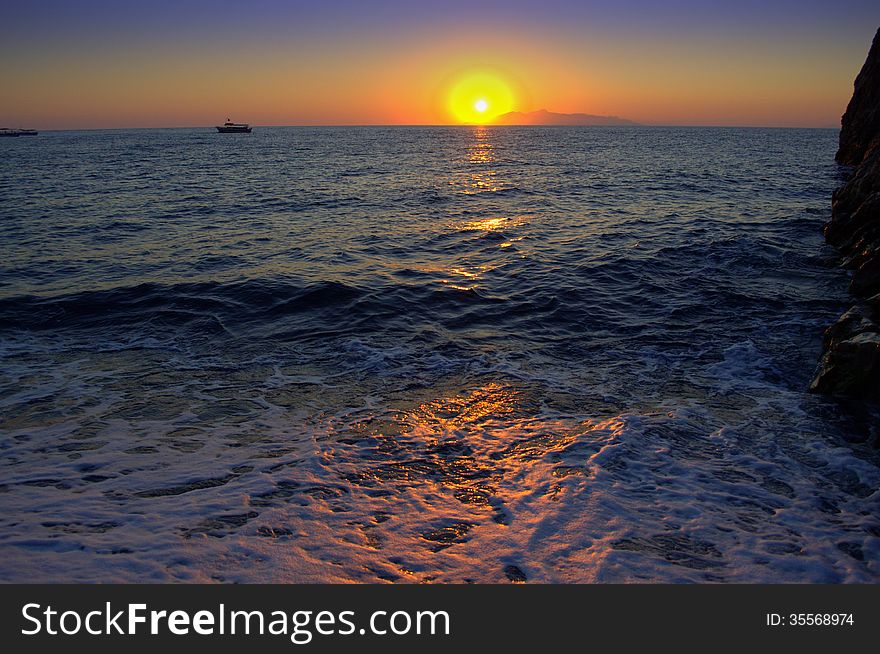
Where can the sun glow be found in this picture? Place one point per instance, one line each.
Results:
(479, 97)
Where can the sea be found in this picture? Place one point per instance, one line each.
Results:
(426, 354)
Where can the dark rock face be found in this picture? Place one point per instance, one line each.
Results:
(850, 364)
(861, 122)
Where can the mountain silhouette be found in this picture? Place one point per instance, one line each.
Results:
(544, 117)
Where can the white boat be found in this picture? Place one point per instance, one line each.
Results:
(234, 128)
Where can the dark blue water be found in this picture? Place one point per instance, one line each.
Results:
(425, 354)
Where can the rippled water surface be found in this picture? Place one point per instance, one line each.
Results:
(425, 354)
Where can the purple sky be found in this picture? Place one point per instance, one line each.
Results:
(122, 64)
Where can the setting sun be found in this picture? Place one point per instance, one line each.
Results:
(479, 97)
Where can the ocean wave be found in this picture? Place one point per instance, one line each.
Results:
(255, 303)
(426, 354)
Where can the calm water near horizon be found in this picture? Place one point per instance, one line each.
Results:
(425, 354)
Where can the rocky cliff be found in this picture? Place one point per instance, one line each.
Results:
(850, 363)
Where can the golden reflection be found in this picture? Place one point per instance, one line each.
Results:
(482, 153)
(493, 224)
(475, 409)
(463, 279)
(480, 176)
(468, 460)
(482, 150)
(466, 273)
(488, 416)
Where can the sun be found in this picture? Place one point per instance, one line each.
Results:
(477, 97)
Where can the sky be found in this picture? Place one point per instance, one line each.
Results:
(164, 63)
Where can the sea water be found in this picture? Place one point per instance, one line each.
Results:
(425, 354)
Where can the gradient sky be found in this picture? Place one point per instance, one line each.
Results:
(97, 63)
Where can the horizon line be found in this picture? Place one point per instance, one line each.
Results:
(307, 125)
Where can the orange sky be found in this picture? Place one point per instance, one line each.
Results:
(406, 78)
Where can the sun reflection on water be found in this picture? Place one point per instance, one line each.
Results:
(462, 279)
(482, 150)
(480, 174)
(472, 410)
(464, 446)
(493, 224)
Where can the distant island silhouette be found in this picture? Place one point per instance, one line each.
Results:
(544, 117)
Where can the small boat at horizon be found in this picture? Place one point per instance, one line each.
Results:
(9, 131)
(233, 128)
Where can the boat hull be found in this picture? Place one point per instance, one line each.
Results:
(18, 132)
(233, 130)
